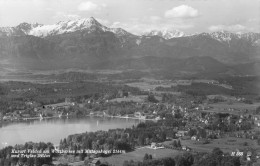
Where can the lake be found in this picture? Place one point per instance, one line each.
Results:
(53, 130)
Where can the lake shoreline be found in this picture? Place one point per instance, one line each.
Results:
(52, 117)
(36, 130)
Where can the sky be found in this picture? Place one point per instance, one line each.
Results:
(139, 16)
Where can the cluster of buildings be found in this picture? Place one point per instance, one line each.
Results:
(34, 111)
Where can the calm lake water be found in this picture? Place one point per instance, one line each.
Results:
(53, 130)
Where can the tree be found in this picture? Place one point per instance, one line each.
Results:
(258, 141)
(121, 145)
(126, 163)
(245, 143)
(231, 161)
(146, 157)
(168, 162)
(185, 159)
(203, 133)
(217, 155)
(179, 143)
(150, 157)
(82, 155)
(192, 132)
(189, 159)
(257, 111)
(141, 139)
(179, 160)
(174, 143)
(217, 152)
(152, 99)
(30, 161)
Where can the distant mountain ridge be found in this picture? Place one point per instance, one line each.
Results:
(91, 23)
(86, 43)
(62, 27)
(20, 30)
(165, 33)
(225, 36)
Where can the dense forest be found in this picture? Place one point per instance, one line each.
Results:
(13, 95)
(215, 158)
(197, 89)
(7, 160)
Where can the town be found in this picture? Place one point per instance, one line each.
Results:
(172, 121)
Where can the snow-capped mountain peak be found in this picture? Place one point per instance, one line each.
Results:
(165, 33)
(80, 23)
(62, 27)
(92, 25)
(119, 31)
(222, 36)
(67, 26)
(21, 29)
(226, 36)
(39, 30)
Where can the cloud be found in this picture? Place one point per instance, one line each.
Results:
(254, 20)
(141, 27)
(182, 11)
(73, 16)
(62, 16)
(87, 6)
(155, 18)
(102, 21)
(130, 27)
(232, 28)
(104, 5)
(49, 9)
(116, 24)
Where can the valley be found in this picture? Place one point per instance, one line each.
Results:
(185, 109)
(158, 98)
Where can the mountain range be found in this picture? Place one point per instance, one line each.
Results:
(87, 44)
(165, 33)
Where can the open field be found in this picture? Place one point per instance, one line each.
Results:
(228, 144)
(235, 105)
(224, 97)
(137, 155)
(236, 108)
(146, 86)
(163, 92)
(213, 82)
(151, 84)
(234, 112)
(139, 98)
